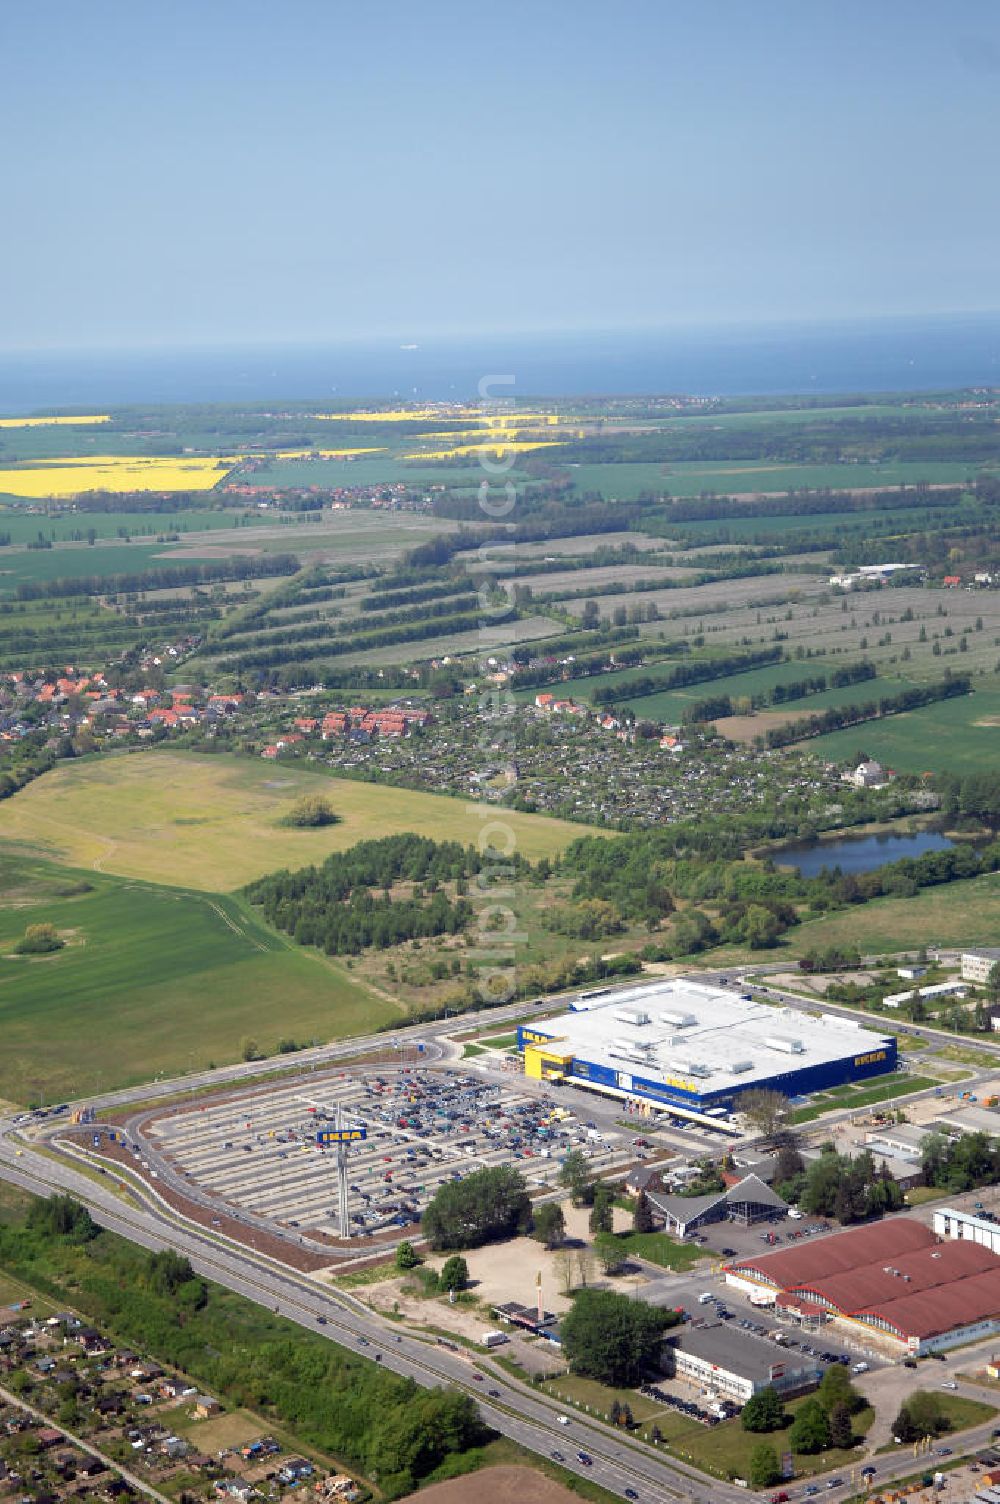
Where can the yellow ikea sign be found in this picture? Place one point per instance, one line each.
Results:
(869, 1059)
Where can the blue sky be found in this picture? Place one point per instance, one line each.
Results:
(233, 171)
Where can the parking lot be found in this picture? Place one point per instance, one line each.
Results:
(259, 1153)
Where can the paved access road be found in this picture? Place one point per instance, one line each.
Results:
(514, 1409)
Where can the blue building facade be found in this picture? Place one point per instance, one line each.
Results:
(880, 1058)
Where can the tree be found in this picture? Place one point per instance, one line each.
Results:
(841, 1432)
(250, 1050)
(904, 1427)
(550, 1224)
(62, 1217)
(642, 1220)
(764, 1468)
(760, 927)
(574, 1174)
(488, 1204)
(39, 940)
(406, 1255)
(764, 1110)
(993, 983)
(610, 1251)
(454, 1273)
(835, 1388)
(311, 811)
(763, 1411)
(810, 1429)
(611, 1338)
(927, 1416)
(602, 1213)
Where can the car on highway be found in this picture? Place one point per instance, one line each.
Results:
(321, 1320)
(494, 1394)
(558, 1456)
(949, 1384)
(582, 1457)
(630, 1493)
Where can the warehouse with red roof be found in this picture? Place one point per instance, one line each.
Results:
(893, 1283)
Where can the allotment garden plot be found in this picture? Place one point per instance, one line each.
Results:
(258, 1152)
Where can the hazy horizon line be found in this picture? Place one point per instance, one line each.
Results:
(223, 344)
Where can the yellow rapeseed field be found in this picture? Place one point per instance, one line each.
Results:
(46, 422)
(115, 472)
(502, 419)
(400, 415)
(491, 445)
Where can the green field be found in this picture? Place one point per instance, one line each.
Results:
(669, 705)
(68, 527)
(213, 822)
(373, 470)
(887, 1090)
(957, 736)
(740, 477)
(151, 979)
(77, 561)
(786, 528)
(961, 913)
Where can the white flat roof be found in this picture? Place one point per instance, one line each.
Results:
(707, 1039)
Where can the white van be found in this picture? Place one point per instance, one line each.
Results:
(705, 1298)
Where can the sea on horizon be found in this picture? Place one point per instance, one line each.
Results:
(876, 355)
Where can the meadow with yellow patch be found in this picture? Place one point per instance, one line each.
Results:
(52, 422)
(399, 415)
(317, 454)
(488, 445)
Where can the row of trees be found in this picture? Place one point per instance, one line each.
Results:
(845, 1189)
(718, 706)
(839, 716)
(239, 567)
(680, 674)
(960, 1164)
(332, 1400)
(299, 651)
(821, 1422)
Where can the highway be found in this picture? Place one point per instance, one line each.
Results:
(508, 1406)
(511, 1408)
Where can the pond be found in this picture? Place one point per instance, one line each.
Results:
(860, 853)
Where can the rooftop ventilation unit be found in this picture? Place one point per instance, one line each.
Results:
(677, 1019)
(786, 1045)
(738, 1067)
(637, 1017)
(693, 1068)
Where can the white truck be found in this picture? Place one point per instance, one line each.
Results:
(494, 1339)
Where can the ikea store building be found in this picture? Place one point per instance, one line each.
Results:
(689, 1046)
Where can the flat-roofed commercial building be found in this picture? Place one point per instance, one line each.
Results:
(736, 1364)
(687, 1045)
